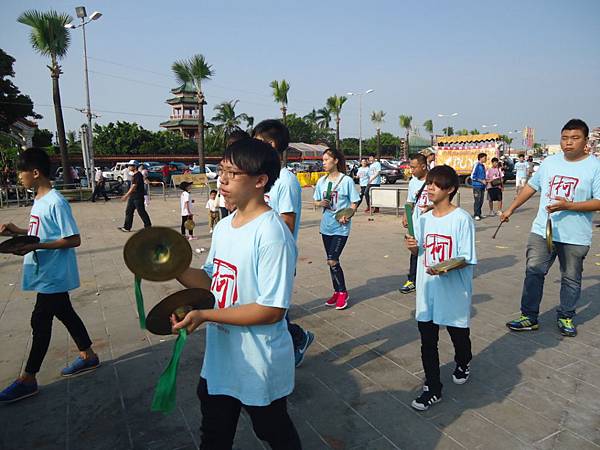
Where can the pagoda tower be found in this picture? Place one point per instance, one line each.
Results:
(184, 112)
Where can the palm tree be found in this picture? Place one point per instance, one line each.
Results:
(49, 37)
(334, 105)
(428, 124)
(194, 71)
(324, 118)
(377, 119)
(406, 123)
(226, 120)
(312, 117)
(448, 131)
(280, 93)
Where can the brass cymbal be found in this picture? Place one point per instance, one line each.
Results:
(189, 224)
(13, 244)
(180, 303)
(549, 243)
(157, 254)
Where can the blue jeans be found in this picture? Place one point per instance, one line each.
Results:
(478, 197)
(539, 261)
(333, 248)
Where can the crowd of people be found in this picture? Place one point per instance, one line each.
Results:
(251, 266)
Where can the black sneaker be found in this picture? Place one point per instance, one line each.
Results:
(461, 374)
(408, 287)
(426, 399)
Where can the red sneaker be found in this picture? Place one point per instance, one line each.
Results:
(368, 210)
(342, 300)
(332, 300)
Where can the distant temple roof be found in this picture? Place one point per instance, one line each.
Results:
(179, 123)
(186, 88)
(189, 100)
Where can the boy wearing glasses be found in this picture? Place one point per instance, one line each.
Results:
(248, 361)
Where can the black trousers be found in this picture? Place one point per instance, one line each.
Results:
(99, 191)
(334, 244)
(224, 212)
(430, 356)
(132, 205)
(412, 268)
(220, 414)
(46, 307)
(183, 220)
(363, 192)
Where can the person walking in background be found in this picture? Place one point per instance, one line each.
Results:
(495, 186)
(521, 170)
(185, 201)
(135, 200)
(213, 210)
(478, 183)
(374, 180)
(363, 179)
(99, 190)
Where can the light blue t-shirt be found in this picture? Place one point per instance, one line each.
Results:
(445, 299)
(251, 264)
(420, 204)
(343, 195)
(576, 181)
(521, 169)
(374, 168)
(286, 197)
(363, 176)
(51, 271)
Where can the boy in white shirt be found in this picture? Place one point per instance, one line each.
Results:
(213, 210)
(186, 208)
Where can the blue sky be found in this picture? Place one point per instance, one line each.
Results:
(514, 63)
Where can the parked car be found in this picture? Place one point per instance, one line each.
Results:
(211, 171)
(390, 174)
(155, 173)
(116, 172)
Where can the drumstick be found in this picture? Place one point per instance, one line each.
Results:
(497, 229)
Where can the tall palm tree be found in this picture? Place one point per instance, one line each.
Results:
(280, 95)
(324, 118)
(194, 71)
(406, 123)
(50, 38)
(334, 105)
(448, 131)
(312, 117)
(226, 119)
(428, 124)
(377, 119)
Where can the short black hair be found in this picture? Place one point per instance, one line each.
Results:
(521, 155)
(372, 154)
(273, 130)
(422, 159)
(494, 159)
(213, 191)
(577, 124)
(444, 177)
(255, 158)
(34, 158)
(481, 155)
(236, 135)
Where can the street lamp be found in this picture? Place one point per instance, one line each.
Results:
(448, 116)
(360, 95)
(489, 126)
(81, 13)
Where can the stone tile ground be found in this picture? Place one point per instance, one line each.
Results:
(535, 390)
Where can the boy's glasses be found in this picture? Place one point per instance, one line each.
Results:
(230, 174)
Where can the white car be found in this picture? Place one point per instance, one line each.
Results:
(116, 173)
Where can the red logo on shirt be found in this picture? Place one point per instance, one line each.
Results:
(438, 248)
(561, 186)
(34, 226)
(224, 283)
(423, 200)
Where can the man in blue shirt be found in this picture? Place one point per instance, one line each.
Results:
(374, 180)
(478, 183)
(569, 187)
(285, 198)
(50, 269)
(248, 357)
(521, 173)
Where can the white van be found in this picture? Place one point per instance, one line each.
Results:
(116, 173)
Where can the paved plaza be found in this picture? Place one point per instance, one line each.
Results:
(354, 389)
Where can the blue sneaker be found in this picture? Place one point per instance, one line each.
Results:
(80, 366)
(567, 327)
(301, 351)
(18, 391)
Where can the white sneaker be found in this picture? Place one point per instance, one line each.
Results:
(210, 231)
(477, 218)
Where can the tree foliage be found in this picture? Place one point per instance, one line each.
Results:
(13, 104)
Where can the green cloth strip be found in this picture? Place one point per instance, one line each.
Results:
(166, 389)
(408, 212)
(139, 300)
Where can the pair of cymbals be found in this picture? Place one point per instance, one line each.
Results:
(180, 303)
(449, 264)
(157, 254)
(15, 243)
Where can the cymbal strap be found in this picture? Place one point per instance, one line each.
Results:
(166, 388)
(139, 300)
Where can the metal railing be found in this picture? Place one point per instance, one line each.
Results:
(13, 193)
(157, 183)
